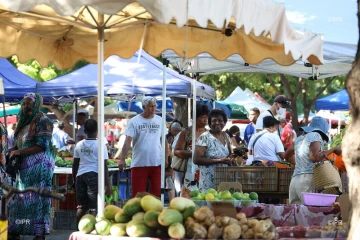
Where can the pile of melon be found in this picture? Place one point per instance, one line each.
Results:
(141, 217)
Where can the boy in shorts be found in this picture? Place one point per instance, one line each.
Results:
(85, 170)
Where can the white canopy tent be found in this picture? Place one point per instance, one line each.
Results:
(65, 31)
(338, 58)
(246, 99)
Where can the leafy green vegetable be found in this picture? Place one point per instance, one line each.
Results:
(111, 162)
(337, 139)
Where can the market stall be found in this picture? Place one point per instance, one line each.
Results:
(268, 37)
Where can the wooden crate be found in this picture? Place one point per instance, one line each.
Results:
(285, 175)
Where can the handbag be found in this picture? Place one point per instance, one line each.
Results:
(233, 163)
(13, 165)
(327, 178)
(177, 163)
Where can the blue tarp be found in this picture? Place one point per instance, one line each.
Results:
(137, 106)
(16, 84)
(336, 102)
(121, 76)
(217, 105)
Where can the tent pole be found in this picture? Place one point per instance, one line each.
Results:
(189, 110)
(100, 117)
(163, 126)
(193, 128)
(2, 92)
(74, 119)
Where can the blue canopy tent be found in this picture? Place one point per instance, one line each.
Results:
(209, 103)
(122, 76)
(335, 102)
(137, 106)
(16, 83)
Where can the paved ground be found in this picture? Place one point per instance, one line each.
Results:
(56, 235)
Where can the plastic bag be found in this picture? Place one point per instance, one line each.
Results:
(18, 183)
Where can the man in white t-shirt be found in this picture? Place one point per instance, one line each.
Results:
(266, 145)
(85, 171)
(144, 130)
(281, 103)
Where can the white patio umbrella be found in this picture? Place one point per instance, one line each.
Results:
(65, 31)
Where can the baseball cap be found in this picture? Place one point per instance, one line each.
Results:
(318, 124)
(283, 100)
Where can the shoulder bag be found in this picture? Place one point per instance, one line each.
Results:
(233, 163)
(177, 163)
(253, 148)
(327, 178)
(13, 165)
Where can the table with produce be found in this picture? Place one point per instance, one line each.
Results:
(232, 213)
(202, 217)
(63, 180)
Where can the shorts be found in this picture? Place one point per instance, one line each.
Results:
(169, 183)
(86, 191)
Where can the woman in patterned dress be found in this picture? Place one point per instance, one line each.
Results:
(29, 214)
(213, 149)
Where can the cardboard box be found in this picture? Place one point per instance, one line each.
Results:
(344, 202)
(224, 208)
(231, 186)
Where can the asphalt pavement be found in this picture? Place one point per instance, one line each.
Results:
(55, 235)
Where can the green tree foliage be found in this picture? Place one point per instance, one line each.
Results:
(303, 91)
(33, 69)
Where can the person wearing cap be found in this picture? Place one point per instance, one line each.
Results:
(278, 109)
(144, 130)
(308, 150)
(265, 145)
(60, 137)
(286, 134)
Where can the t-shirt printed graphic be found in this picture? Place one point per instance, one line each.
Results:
(87, 151)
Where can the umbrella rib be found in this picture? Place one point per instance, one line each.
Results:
(127, 18)
(77, 18)
(92, 16)
(25, 31)
(57, 19)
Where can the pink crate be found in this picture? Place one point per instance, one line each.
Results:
(318, 199)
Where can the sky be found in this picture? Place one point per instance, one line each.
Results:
(335, 19)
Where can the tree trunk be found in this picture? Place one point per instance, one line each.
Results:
(351, 144)
(294, 116)
(61, 116)
(306, 116)
(292, 96)
(180, 110)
